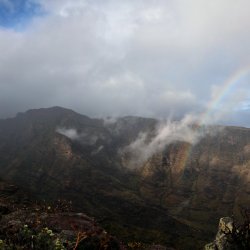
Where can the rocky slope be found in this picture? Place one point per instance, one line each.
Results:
(27, 223)
(50, 165)
(213, 182)
(174, 196)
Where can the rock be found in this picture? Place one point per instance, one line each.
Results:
(222, 241)
(68, 234)
(210, 246)
(225, 225)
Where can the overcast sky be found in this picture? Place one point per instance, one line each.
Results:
(155, 58)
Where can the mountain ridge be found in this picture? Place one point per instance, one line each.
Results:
(91, 170)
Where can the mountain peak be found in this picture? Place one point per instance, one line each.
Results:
(55, 113)
(50, 110)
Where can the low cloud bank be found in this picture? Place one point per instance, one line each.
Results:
(186, 130)
(149, 143)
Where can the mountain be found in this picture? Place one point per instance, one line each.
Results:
(214, 182)
(174, 196)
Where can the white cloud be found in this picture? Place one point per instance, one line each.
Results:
(124, 57)
(146, 145)
(70, 133)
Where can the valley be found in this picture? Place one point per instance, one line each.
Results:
(174, 196)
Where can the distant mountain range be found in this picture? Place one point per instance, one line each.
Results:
(174, 195)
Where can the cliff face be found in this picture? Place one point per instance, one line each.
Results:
(176, 194)
(213, 182)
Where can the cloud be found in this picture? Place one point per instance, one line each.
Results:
(86, 137)
(70, 133)
(135, 57)
(146, 145)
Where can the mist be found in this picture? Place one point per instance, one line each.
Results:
(71, 133)
(84, 137)
(146, 144)
(185, 130)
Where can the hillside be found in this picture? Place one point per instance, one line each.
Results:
(174, 197)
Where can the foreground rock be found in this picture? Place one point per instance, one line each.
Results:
(230, 236)
(32, 225)
(25, 224)
(221, 241)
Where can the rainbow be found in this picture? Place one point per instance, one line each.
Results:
(227, 87)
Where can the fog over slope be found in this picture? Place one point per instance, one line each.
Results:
(146, 144)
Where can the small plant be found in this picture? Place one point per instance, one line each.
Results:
(26, 238)
(2, 245)
(36, 234)
(80, 237)
(44, 239)
(58, 244)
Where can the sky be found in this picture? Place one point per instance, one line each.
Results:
(153, 58)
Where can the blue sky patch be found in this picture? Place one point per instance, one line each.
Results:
(17, 14)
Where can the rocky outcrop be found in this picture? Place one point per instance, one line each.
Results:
(25, 224)
(221, 241)
(231, 235)
(22, 224)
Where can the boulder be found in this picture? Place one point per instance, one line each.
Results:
(222, 239)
